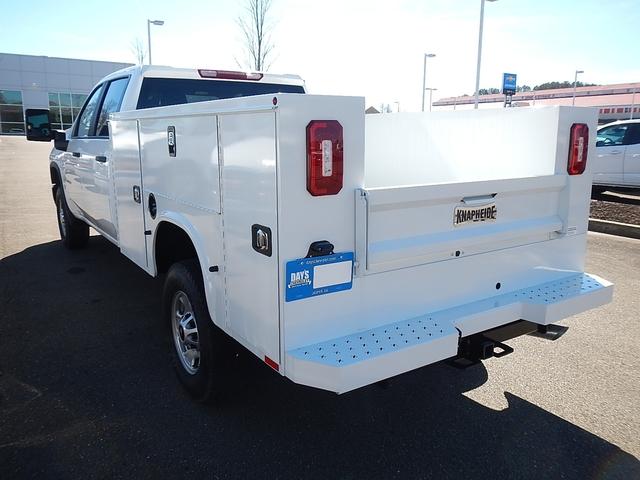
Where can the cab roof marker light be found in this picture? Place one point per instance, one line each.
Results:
(230, 75)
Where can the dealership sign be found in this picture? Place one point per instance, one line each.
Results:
(508, 83)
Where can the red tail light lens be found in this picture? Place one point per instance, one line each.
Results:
(324, 157)
(578, 149)
(229, 75)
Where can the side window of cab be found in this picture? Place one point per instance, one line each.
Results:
(111, 104)
(86, 122)
(106, 98)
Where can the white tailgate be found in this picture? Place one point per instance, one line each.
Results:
(398, 227)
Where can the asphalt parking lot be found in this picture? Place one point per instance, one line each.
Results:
(87, 389)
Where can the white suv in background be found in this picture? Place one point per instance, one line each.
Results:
(617, 161)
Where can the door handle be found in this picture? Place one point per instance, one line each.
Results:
(101, 158)
(616, 152)
(76, 154)
(261, 239)
(479, 199)
(137, 197)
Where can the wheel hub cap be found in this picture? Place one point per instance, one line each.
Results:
(185, 332)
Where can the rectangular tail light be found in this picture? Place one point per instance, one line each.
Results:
(578, 149)
(324, 157)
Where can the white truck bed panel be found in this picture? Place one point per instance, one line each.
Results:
(404, 226)
(460, 146)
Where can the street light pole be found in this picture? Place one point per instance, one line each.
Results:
(424, 75)
(149, 23)
(480, 51)
(575, 82)
(149, 39)
(431, 96)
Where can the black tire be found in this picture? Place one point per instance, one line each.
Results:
(186, 278)
(74, 233)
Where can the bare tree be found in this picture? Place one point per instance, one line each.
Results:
(137, 48)
(256, 32)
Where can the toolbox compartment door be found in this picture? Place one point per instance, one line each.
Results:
(249, 210)
(127, 178)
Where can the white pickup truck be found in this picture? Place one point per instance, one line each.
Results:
(341, 249)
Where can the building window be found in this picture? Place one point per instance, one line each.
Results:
(64, 107)
(11, 113)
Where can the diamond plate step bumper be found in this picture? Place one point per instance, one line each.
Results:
(346, 363)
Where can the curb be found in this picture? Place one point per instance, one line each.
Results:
(614, 228)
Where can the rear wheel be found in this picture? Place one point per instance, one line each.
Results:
(196, 342)
(73, 231)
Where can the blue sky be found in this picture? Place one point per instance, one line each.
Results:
(371, 48)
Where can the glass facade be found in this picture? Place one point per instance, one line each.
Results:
(64, 108)
(11, 113)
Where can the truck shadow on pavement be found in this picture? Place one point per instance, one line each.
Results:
(87, 390)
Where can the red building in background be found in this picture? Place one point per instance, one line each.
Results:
(615, 102)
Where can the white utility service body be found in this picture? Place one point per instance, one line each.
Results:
(446, 225)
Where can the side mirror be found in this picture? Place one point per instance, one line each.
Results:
(38, 125)
(60, 141)
(600, 143)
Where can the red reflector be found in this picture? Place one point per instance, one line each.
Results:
(229, 75)
(324, 157)
(271, 363)
(578, 148)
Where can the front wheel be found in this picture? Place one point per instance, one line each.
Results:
(195, 340)
(73, 231)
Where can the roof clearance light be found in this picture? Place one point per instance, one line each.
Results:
(229, 75)
(578, 149)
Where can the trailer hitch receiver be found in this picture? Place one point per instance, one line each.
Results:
(479, 347)
(472, 350)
